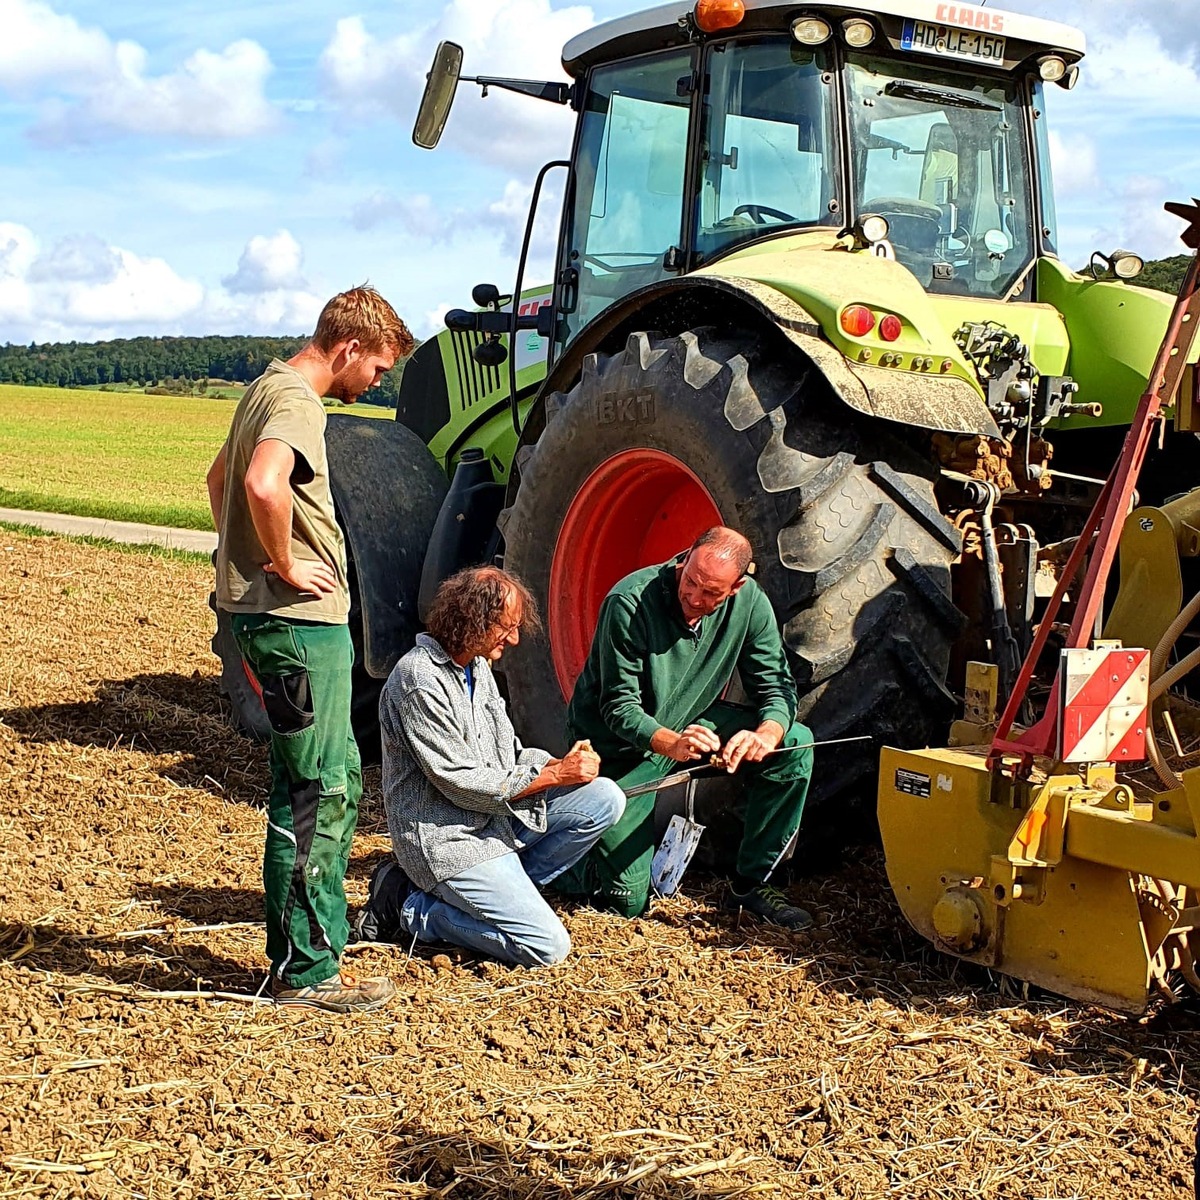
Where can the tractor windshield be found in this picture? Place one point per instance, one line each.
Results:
(942, 157)
(768, 155)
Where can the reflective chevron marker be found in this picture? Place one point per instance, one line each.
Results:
(1104, 703)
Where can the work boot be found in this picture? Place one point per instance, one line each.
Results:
(340, 993)
(771, 904)
(380, 919)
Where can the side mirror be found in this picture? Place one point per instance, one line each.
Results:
(491, 352)
(440, 86)
(486, 295)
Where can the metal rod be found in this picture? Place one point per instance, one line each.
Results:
(686, 774)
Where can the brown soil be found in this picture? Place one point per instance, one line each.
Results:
(680, 1055)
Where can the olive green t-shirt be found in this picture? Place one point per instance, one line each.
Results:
(280, 405)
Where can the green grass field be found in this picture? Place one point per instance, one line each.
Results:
(120, 455)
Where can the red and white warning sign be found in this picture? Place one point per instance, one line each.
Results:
(1105, 696)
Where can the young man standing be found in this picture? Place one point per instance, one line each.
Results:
(281, 573)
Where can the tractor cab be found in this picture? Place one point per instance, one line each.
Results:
(694, 145)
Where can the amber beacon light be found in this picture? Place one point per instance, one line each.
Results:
(714, 15)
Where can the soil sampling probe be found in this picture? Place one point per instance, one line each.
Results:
(682, 834)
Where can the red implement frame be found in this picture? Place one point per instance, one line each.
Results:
(1107, 516)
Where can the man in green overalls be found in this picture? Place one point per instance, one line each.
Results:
(668, 641)
(281, 574)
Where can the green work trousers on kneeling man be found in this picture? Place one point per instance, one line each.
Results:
(616, 872)
(303, 668)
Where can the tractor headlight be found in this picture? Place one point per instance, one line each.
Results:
(1120, 264)
(873, 227)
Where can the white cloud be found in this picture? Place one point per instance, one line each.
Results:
(83, 289)
(40, 44)
(505, 218)
(1137, 220)
(416, 212)
(268, 264)
(434, 321)
(369, 75)
(80, 258)
(87, 85)
(1073, 160)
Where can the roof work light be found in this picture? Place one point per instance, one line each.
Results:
(858, 32)
(714, 15)
(1051, 68)
(811, 31)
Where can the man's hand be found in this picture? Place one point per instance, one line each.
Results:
(693, 743)
(580, 764)
(751, 745)
(310, 578)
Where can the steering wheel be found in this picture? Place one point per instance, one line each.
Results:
(756, 212)
(905, 206)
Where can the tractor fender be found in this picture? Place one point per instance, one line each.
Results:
(942, 403)
(387, 491)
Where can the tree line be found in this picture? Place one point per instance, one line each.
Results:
(171, 364)
(187, 364)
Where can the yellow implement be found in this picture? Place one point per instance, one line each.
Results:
(1023, 850)
(1055, 879)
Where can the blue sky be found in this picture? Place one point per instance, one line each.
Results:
(222, 168)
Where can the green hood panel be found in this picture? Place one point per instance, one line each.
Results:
(823, 276)
(1115, 331)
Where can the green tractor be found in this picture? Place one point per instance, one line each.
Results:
(807, 286)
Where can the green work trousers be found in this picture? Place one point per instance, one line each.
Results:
(616, 872)
(303, 668)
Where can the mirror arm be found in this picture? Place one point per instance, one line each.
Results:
(556, 93)
(520, 283)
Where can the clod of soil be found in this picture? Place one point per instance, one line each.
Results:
(688, 1054)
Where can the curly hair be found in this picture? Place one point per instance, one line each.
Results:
(470, 604)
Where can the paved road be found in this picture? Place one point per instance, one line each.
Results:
(117, 531)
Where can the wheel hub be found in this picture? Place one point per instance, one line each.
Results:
(638, 507)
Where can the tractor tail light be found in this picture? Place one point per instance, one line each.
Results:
(714, 15)
(890, 328)
(858, 320)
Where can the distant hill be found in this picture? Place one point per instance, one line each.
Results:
(1166, 274)
(172, 364)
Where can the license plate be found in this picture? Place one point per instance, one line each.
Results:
(946, 40)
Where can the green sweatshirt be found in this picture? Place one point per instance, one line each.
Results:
(647, 669)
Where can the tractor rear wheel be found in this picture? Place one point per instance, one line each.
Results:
(672, 435)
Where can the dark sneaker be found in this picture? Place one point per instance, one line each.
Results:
(340, 993)
(771, 904)
(380, 920)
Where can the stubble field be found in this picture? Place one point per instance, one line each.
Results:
(682, 1055)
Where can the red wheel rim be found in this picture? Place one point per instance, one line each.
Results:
(637, 508)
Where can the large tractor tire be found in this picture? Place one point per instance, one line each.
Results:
(387, 490)
(671, 435)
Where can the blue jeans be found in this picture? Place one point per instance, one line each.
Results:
(495, 907)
